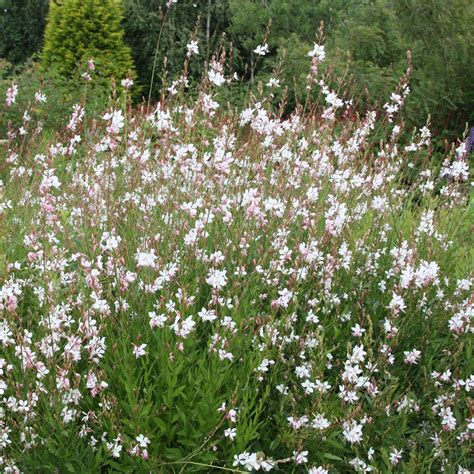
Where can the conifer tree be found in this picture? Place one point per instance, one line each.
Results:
(22, 26)
(78, 30)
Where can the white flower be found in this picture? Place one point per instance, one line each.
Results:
(143, 441)
(110, 241)
(448, 421)
(285, 297)
(357, 331)
(352, 431)
(397, 304)
(187, 326)
(216, 278)
(126, 83)
(139, 351)
(146, 259)
(116, 121)
(308, 386)
(317, 470)
(320, 422)
(317, 52)
(115, 449)
(300, 457)
(207, 314)
(360, 465)
(412, 357)
(395, 456)
(40, 97)
(215, 74)
(272, 82)
(262, 49)
(12, 92)
(312, 194)
(157, 320)
(230, 433)
(192, 48)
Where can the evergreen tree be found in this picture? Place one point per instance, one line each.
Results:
(22, 25)
(81, 29)
(441, 37)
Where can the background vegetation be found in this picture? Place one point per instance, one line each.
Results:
(369, 38)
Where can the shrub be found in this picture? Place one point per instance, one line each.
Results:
(78, 30)
(197, 289)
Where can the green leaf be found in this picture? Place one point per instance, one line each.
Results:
(332, 457)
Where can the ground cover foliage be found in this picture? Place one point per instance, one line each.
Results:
(187, 287)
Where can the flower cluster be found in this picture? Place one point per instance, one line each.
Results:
(195, 286)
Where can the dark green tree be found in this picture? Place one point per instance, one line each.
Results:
(370, 39)
(441, 36)
(154, 28)
(289, 27)
(22, 25)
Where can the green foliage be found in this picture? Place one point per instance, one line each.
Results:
(78, 30)
(154, 29)
(441, 36)
(61, 94)
(22, 24)
(375, 37)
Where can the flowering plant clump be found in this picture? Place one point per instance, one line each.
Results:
(189, 288)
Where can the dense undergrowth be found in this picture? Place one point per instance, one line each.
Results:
(191, 288)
